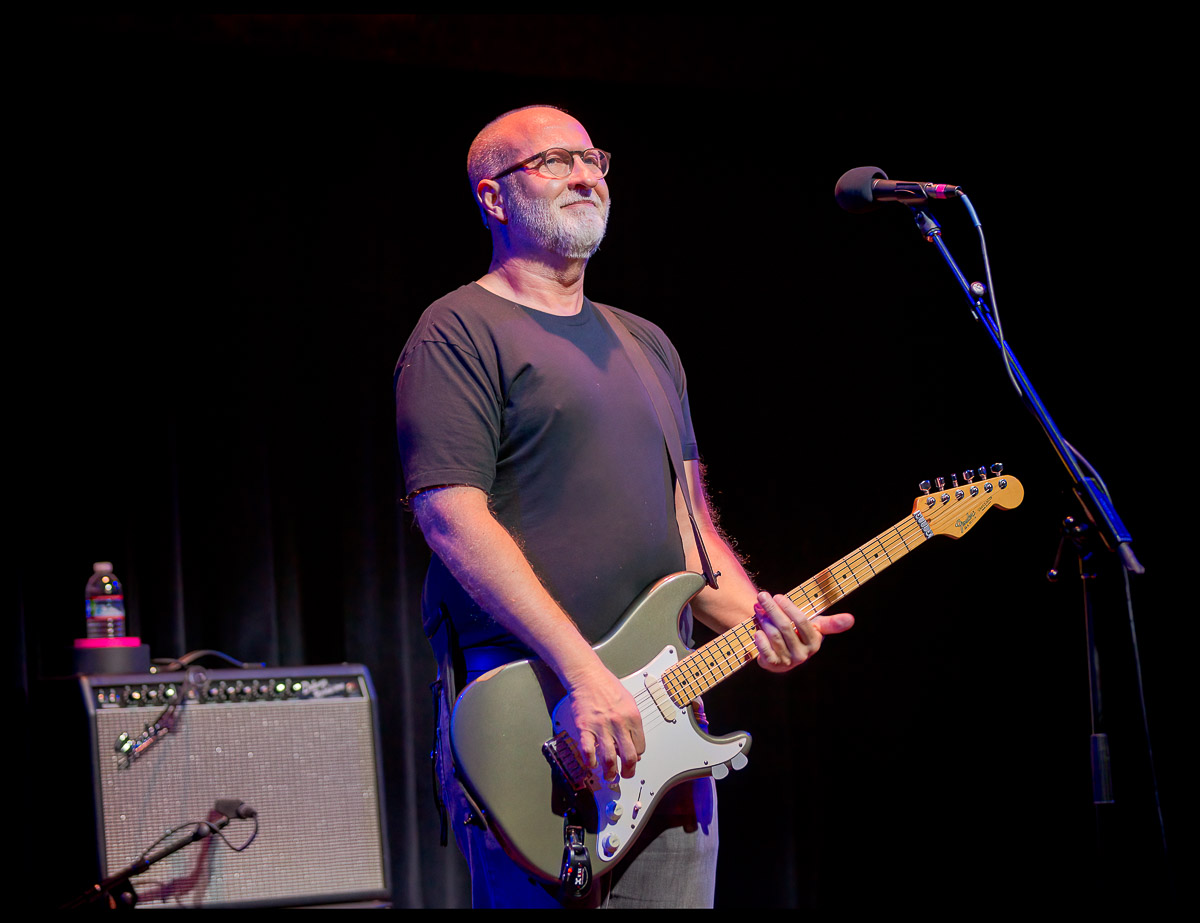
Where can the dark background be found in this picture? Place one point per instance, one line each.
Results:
(229, 224)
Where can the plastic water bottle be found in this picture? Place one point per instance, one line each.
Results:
(105, 603)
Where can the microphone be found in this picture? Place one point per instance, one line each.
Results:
(864, 188)
(235, 808)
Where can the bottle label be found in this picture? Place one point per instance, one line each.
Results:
(105, 607)
(106, 617)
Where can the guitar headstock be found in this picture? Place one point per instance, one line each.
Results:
(953, 509)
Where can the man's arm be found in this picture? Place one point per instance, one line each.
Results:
(785, 637)
(484, 558)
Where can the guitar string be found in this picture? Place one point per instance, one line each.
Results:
(910, 535)
(712, 663)
(734, 648)
(899, 540)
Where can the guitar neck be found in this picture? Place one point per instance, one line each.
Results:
(723, 656)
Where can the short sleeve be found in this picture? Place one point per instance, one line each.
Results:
(448, 417)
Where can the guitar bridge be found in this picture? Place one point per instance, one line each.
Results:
(562, 753)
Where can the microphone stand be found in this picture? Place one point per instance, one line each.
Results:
(1102, 516)
(1095, 501)
(117, 892)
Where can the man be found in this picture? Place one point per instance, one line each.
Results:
(538, 474)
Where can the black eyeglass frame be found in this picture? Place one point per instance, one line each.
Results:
(528, 160)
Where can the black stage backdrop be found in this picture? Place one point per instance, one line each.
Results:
(233, 222)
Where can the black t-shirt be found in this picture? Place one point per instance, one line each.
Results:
(547, 416)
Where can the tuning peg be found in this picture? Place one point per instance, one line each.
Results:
(968, 475)
(953, 479)
(997, 468)
(924, 487)
(982, 472)
(941, 483)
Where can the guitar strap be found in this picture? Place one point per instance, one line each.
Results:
(664, 409)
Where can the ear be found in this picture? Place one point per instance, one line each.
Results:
(491, 201)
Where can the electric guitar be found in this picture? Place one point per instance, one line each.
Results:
(514, 742)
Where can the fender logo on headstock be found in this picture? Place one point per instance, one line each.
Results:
(964, 524)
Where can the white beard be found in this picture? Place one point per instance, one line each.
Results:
(571, 233)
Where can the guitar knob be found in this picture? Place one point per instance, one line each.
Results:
(613, 811)
(612, 843)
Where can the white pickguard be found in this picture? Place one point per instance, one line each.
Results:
(674, 750)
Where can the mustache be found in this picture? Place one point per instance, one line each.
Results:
(570, 198)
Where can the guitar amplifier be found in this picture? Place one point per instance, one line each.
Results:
(297, 745)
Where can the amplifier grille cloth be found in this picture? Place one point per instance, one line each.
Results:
(309, 770)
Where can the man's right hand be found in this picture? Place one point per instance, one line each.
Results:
(609, 723)
(484, 558)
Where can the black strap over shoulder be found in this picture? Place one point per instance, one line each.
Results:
(666, 419)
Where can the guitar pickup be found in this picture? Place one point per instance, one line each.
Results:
(562, 753)
(662, 698)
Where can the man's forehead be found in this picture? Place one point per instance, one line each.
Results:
(539, 129)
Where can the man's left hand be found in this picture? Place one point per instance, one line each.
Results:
(786, 637)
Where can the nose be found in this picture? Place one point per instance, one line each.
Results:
(583, 175)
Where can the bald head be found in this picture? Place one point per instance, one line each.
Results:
(504, 140)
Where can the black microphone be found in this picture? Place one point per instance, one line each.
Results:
(864, 188)
(235, 808)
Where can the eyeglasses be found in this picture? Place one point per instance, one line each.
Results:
(560, 162)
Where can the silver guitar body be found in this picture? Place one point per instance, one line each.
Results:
(511, 735)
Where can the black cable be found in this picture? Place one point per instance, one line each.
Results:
(197, 835)
(174, 664)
